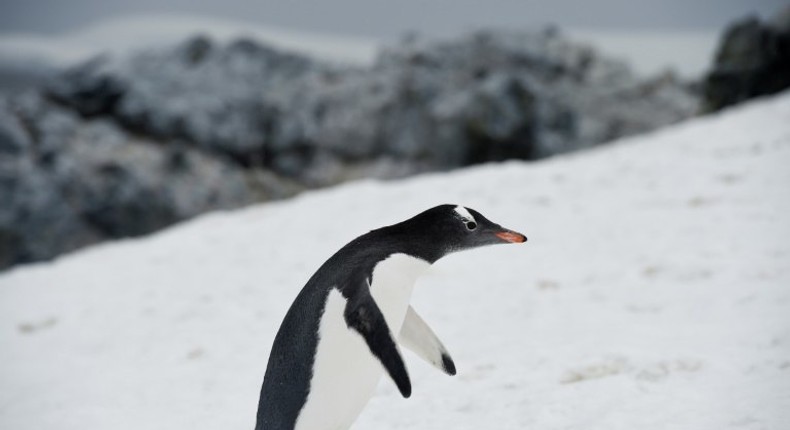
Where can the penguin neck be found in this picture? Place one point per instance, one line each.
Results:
(418, 243)
(392, 283)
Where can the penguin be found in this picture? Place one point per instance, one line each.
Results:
(344, 328)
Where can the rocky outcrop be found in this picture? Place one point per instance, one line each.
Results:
(120, 147)
(488, 96)
(65, 182)
(753, 59)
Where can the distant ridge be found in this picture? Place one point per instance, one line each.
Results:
(649, 52)
(124, 34)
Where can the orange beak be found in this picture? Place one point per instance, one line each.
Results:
(511, 236)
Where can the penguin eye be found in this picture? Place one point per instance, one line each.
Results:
(471, 225)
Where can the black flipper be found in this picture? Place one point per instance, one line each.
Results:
(363, 315)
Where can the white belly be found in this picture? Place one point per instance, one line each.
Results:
(345, 373)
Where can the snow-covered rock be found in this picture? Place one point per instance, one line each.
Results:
(66, 183)
(487, 96)
(652, 294)
(271, 122)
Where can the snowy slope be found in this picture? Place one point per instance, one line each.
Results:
(654, 293)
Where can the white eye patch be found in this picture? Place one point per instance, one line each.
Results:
(464, 214)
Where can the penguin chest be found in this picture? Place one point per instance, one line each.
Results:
(345, 372)
(392, 284)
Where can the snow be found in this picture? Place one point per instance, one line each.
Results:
(654, 293)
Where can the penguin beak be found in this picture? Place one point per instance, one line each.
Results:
(511, 236)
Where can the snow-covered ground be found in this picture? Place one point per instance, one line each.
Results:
(654, 293)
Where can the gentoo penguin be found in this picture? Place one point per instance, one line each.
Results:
(343, 330)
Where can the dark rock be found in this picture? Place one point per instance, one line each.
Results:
(213, 97)
(14, 139)
(753, 59)
(195, 50)
(69, 183)
(485, 97)
(120, 147)
(88, 89)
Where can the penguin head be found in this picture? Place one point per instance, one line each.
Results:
(451, 228)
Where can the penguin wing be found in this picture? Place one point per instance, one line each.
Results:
(363, 315)
(418, 337)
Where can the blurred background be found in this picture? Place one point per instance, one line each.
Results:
(120, 118)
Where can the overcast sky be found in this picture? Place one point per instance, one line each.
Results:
(391, 18)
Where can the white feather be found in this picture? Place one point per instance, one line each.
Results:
(416, 335)
(345, 373)
(460, 210)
